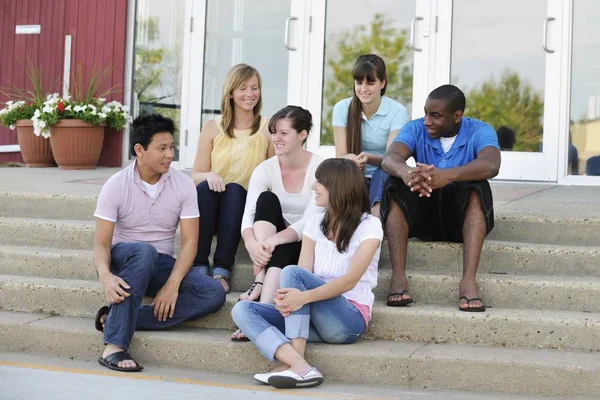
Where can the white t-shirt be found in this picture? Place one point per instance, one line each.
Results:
(447, 143)
(296, 207)
(330, 264)
(151, 189)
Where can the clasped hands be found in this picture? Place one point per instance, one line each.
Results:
(260, 253)
(425, 178)
(361, 160)
(288, 300)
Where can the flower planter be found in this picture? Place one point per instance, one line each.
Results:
(35, 150)
(76, 144)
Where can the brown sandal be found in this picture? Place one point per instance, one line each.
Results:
(224, 281)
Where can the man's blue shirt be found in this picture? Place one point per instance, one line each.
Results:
(472, 136)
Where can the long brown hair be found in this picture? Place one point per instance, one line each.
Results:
(370, 67)
(348, 199)
(237, 75)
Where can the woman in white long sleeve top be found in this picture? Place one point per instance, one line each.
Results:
(279, 202)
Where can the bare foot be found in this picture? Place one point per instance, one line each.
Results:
(224, 281)
(468, 290)
(111, 349)
(238, 336)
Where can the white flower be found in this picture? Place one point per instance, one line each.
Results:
(45, 134)
(106, 109)
(37, 114)
(42, 124)
(9, 103)
(94, 112)
(68, 108)
(92, 107)
(125, 108)
(102, 115)
(11, 127)
(48, 109)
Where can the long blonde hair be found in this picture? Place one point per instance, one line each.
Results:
(237, 75)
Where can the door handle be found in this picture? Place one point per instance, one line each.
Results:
(545, 34)
(286, 35)
(412, 33)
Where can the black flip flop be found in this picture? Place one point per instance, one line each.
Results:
(112, 362)
(398, 303)
(471, 309)
(236, 339)
(101, 312)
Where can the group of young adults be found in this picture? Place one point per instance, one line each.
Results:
(312, 228)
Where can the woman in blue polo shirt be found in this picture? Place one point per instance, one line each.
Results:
(366, 123)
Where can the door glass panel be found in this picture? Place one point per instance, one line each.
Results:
(584, 135)
(157, 75)
(498, 61)
(366, 27)
(250, 32)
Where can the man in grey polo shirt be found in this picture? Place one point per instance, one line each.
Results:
(137, 215)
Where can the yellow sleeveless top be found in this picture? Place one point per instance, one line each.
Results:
(234, 159)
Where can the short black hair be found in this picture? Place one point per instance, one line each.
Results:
(144, 127)
(450, 94)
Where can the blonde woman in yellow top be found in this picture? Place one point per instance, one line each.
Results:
(229, 149)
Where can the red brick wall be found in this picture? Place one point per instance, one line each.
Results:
(98, 31)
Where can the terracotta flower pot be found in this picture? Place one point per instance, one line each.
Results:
(35, 150)
(76, 144)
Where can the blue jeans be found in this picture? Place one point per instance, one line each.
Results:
(335, 320)
(375, 184)
(146, 271)
(220, 214)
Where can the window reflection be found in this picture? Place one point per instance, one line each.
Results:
(498, 61)
(157, 76)
(584, 133)
(366, 27)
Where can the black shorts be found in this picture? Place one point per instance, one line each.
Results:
(441, 216)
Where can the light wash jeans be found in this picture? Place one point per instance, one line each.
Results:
(334, 320)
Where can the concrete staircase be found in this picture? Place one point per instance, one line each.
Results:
(541, 335)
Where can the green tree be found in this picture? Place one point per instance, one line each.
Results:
(380, 38)
(511, 102)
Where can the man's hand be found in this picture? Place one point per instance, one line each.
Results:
(164, 302)
(288, 300)
(259, 253)
(438, 178)
(114, 288)
(215, 182)
(417, 179)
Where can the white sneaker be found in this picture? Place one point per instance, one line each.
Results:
(263, 378)
(289, 380)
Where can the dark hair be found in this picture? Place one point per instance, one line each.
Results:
(300, 119)
(144, 127)
(370, 67)
(506, 137)
(450, 94)
(348, 199)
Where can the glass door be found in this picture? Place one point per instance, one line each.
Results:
(506, 56)
(266, 34)
(400, 31)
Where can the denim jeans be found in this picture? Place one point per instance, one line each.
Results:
(220, 214)
(335, 320)
(146, 271)
(375, 184)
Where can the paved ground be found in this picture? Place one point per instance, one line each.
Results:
(28, 377)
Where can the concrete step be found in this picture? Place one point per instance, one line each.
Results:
(382, 362)
(577, 232)
(428, 287)
(497, 256)
(418, 322)
(509, 226)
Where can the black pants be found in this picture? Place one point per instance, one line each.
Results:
(441, 216)
(268, 208)
(220, 214)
